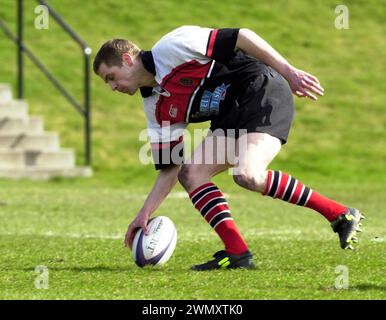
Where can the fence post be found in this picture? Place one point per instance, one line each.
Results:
(20, 69)
(87, 111)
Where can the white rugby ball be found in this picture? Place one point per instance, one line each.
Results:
(157, 247)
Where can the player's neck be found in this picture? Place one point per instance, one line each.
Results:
(146, 79)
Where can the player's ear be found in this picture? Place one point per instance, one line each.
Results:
(127, 58)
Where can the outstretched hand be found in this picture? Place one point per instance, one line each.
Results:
(140, 221)
(304, 84)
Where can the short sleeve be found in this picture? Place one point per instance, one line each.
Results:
(221, 44)
(189, 43)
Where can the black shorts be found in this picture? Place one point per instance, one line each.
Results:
(263, 105)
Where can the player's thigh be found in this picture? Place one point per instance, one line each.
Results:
(207, 160)
(215, 151)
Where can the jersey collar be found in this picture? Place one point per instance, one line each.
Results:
(148, 63)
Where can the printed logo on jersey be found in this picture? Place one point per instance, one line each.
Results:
(210, 101)
(173, 111)
(186, 82)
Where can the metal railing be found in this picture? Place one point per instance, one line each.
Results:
(83, 108)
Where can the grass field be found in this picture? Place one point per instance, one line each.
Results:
(337, 146)
(77, 234)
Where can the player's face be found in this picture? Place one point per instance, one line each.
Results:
(120, 79)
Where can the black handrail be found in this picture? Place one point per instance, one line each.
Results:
(20, 63)
(85, 110)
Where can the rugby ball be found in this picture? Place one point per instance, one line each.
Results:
(157, 247)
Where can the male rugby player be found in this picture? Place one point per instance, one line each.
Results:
(238, 82)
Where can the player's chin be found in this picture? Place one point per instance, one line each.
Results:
(131, 92)
(128, 91)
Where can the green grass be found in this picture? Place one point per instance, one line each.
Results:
(77, 234)
(75, 227)
(349, 63)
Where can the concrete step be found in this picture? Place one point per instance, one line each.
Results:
(5, 93)
(21, 125)
(19, 159)
(45, 174)
(48, 141)
(26, 151)
(13, 109)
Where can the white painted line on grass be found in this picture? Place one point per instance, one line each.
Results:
(66, 235)
(172, 195)
(187, 235)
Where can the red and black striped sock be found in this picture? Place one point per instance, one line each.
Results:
(213, 206)
(284, 187)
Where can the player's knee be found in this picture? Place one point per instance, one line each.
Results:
(251, 180)
(243, 179)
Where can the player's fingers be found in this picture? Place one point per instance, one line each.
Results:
(303, 93)
(299, 94)
(126, 242)
(317, 91)
(312, 88)
(314, 84)
(145, 229)
(131, 239)
(129, 236)
(129, 242)
(310, 95)
(313, 77)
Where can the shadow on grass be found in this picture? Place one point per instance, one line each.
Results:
(368, 286)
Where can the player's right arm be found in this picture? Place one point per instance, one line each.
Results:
(167, 149)
(166, 180)
(302, 83)
(192, 42)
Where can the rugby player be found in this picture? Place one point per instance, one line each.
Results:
(237, 81)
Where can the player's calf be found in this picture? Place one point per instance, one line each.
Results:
(192, 176)
(214, 208)
(344, 221)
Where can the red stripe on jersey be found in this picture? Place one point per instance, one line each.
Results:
(166, 145)
(181, 82)
(283, 184)
(212, 41)
(295, 197)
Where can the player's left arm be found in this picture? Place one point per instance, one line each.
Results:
(301, 83)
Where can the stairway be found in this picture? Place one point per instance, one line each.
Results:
(26, 150)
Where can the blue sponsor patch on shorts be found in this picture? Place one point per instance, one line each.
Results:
(210, 101)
